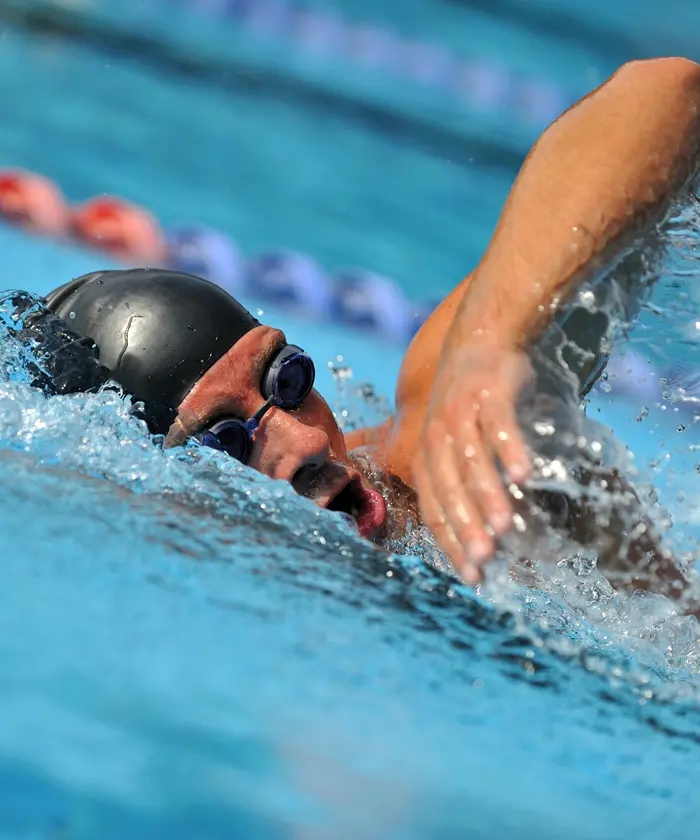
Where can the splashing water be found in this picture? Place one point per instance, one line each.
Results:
(569, 443)
(357, 406)
(191, 644)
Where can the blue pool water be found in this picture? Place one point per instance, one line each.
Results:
(190, 651)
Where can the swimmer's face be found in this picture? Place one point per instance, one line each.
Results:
(303, 446)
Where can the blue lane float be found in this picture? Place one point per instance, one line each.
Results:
(208, 253)
(366, 300)
(353, 297)
(293, 280)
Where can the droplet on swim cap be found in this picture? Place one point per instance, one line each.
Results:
(157, 330)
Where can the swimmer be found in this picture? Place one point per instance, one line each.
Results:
(597, 184)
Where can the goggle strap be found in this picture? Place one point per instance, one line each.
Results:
(254, 421)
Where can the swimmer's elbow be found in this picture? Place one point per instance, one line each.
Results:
(664, 99)
(664, 74)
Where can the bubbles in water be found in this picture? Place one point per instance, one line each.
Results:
(339, 371)
(356, 406)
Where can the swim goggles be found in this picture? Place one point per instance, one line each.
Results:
(285, 384)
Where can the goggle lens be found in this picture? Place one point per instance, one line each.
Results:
(294, 379)
(232, 438)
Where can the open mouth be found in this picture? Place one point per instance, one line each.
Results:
(349, 499)
(365, 506)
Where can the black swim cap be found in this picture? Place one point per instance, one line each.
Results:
(157, 330)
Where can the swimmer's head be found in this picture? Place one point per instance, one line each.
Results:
(204, 367)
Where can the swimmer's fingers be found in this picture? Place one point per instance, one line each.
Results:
(448, 507)
(436, 519)
(489, 433)
(484, 500)
(483, 482)
(471, 425)
(499, 420)
(501, 428)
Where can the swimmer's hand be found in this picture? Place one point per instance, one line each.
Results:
(470, 426)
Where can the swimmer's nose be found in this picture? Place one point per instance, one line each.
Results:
(309, 459)
(287, 449)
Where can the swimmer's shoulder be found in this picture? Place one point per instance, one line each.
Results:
(396, 441)
(381, 446)
(371, 436)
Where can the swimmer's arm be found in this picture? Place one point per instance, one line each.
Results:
(375, 436)
(606, 172)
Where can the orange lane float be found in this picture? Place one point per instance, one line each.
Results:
(126, 231)
(34, 202)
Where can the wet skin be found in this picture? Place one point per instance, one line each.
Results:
(303, 446)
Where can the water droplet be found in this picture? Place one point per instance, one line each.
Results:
(341, 373)
(71, 314)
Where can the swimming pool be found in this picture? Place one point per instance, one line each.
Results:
(190, 651)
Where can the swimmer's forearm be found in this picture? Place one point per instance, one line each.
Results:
(605, 172)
